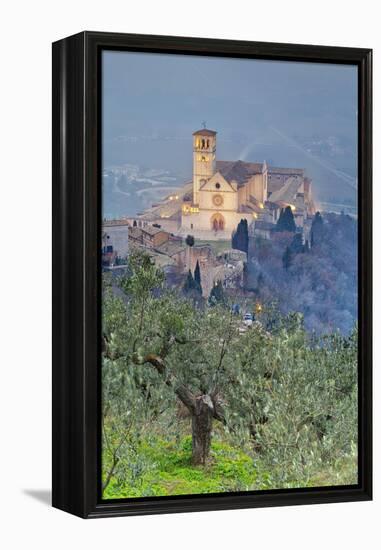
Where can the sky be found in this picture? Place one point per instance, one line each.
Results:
(290, 113)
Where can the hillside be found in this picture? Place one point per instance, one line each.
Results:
(320, 282)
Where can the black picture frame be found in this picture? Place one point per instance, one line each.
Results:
(76, 272)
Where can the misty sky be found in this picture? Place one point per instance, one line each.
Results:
(261, 109)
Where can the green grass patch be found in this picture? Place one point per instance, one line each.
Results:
(158, 467)
(169, 471)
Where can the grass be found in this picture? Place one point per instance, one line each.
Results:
(169, 471)
(343, 472)
(163, 468)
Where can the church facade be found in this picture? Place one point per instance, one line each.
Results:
(222, 193)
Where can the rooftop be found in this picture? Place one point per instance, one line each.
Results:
(150, 230)
(171, 248)
(285, 171)
(204, 132)
(134, 233)
(288, 191)
(163, 260)
(238, 170)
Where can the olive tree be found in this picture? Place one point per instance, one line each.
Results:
(295, 398)
(280, 392)
(186, 347)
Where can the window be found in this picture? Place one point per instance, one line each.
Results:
(218, 185)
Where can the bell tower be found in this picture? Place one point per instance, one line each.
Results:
(204, 158)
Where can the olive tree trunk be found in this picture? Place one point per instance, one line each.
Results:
(202, 421)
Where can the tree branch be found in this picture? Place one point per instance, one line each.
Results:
(218, 410)
(182, 392)
(186, 396)
(224, 349)
(111, 472)
(113, 356)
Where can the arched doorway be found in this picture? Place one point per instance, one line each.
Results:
(217, 222)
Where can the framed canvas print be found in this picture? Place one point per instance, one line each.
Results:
(212, 274)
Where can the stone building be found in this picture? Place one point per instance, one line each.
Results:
(115, 237)
(222, 193)
(149, 236)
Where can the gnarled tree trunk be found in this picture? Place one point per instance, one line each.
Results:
(203, 408)
(202, 420)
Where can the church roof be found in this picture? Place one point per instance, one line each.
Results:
(288, 191)
(285, 171)
(239, 170)
(204, 132)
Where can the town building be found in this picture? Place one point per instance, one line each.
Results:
(115, 237)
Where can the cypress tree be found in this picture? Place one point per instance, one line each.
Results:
(317, 230)
(189, 241)
(286, 221)
(197, 273)
(216, 295)
(240, 237)
(197, 278)
(189, 284)
(245, 236)
(286, 258)
(289, 220)
(296, 245)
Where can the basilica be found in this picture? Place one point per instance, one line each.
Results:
(222, 193)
